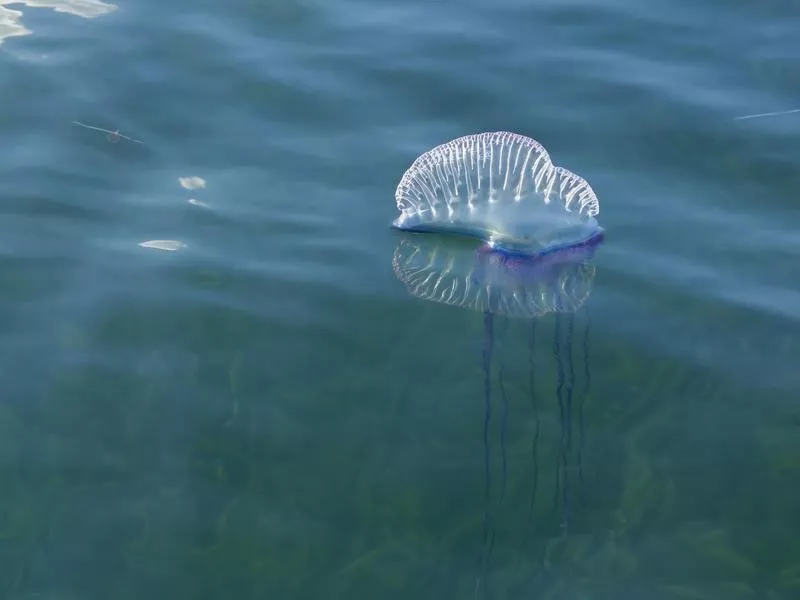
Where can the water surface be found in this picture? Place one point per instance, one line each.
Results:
(266, 411)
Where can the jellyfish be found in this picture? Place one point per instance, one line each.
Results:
(537, 229)
(501, 188)
(516, 287)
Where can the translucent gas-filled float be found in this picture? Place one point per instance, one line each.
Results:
(501, 188)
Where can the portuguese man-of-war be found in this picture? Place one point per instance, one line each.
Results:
(536, 230)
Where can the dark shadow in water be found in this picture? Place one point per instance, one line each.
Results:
(512, 287)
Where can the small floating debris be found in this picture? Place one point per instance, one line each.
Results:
(168, 245)
(192, 183)
(779, 113)
(195, 202)
(112, 136)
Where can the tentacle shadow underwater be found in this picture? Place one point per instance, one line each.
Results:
(517, 289)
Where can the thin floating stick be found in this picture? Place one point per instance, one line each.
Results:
(113, 136)
(769, 114)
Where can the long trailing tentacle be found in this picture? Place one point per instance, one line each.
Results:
(560, 470)
(587, 378)
(503, 427)
(568, 449)
(488, 350)
(503, 418)
(535, 441)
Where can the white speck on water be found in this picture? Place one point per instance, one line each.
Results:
(195, 202)
(169, 245)
(192, 183)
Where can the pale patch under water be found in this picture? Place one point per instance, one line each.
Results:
(11, 19)
(192, 183)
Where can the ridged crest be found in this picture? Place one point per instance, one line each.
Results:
(497, 186)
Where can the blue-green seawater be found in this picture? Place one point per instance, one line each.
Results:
(268, 412)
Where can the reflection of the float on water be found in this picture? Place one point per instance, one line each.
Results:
(498, 284)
